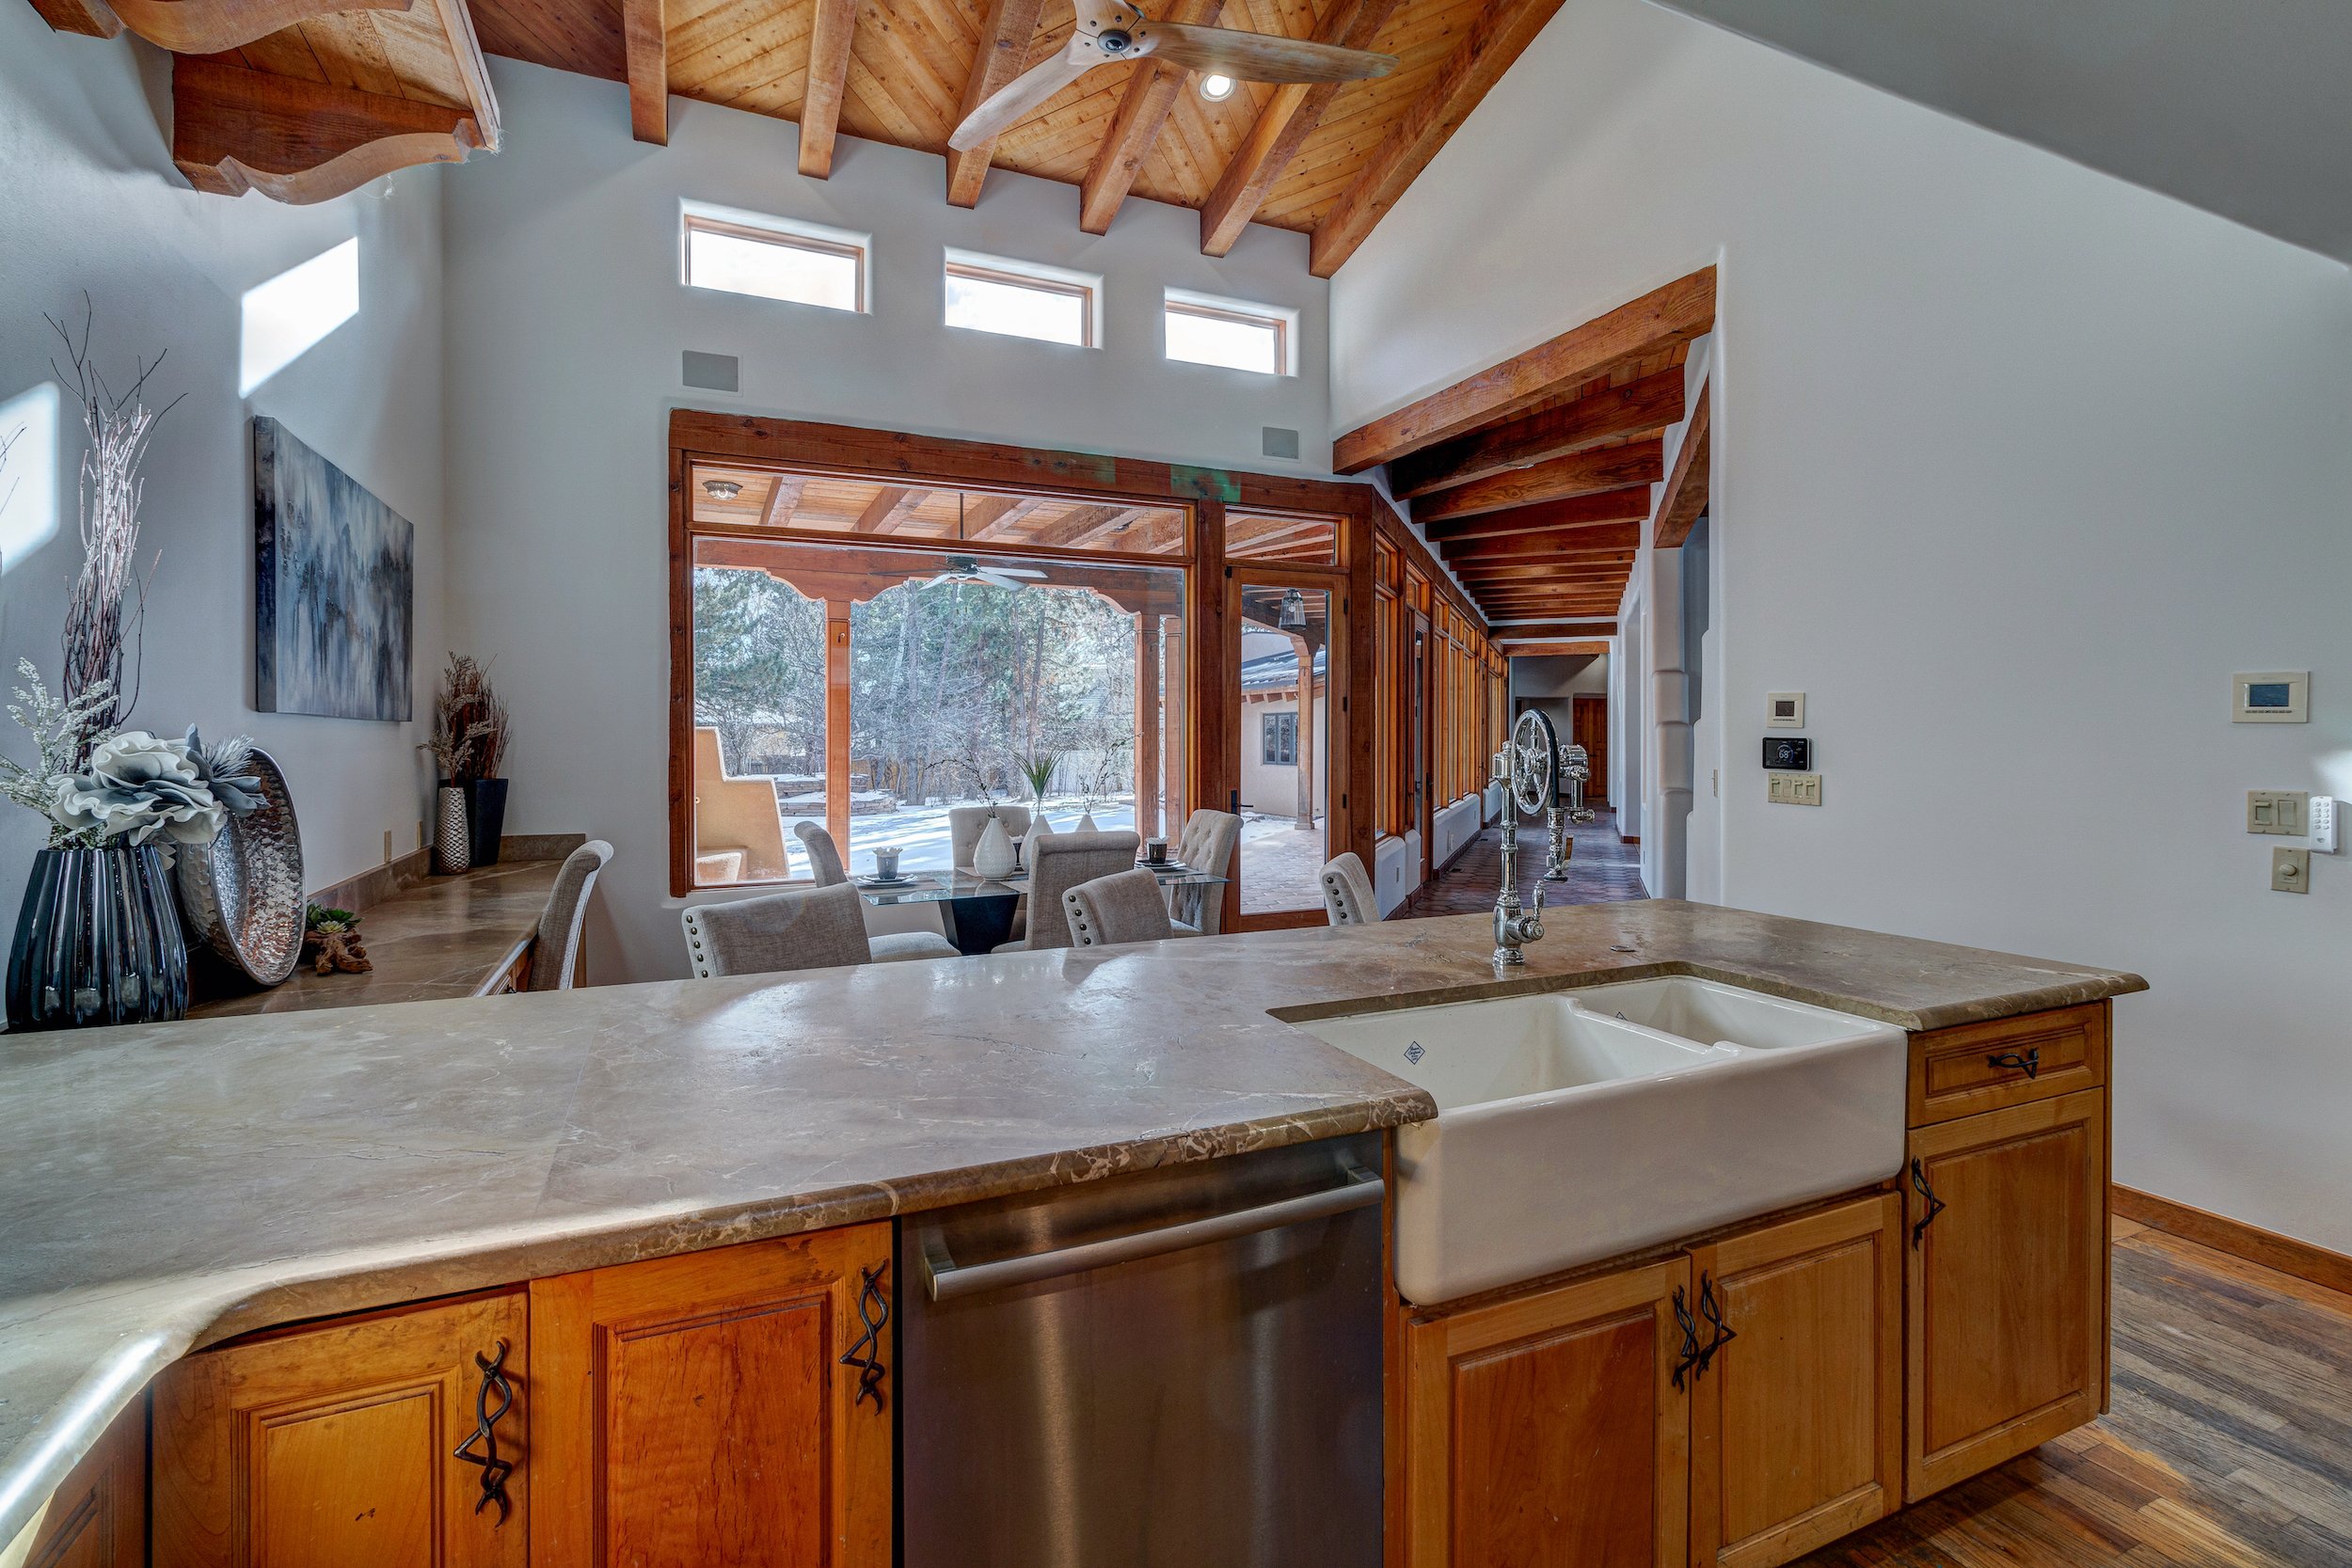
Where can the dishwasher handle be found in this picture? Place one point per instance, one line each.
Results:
(949, 1280)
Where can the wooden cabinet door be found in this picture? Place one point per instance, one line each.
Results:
(709, 1410)
(336, 1447)
(1552, 1431)
(2005, 1332)
(1796, 1409)
(98, 1516)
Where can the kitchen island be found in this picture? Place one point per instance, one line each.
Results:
(175, 1186)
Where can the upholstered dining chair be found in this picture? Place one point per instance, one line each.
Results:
(825, 868)
(799, 929)
(1207, 843)
(1347, 895)
(966, 823)
(1059, 862)
(555, 955)
(1123, 906)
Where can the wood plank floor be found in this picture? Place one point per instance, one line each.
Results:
(1602, 869)
(2229, 1444)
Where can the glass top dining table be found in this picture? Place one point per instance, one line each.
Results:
(978, 910)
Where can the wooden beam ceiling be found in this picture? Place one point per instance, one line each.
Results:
(888, 510)
(1630, 504)
(1503, 29)
(781, 498)
(1281, 128)
(830, 35)
(234, 130)
(645, 44)
(1143, 112)
(1553, 650)
(1643, 407)
(1584, 474)
(1541, 545)
(1685, 495)
(216, 27)
(1547, 631)
(86, 18)
(1657, 320)
(1004, 52)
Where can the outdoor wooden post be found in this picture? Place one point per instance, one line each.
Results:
(1174, 803)
(838, 723)
(1148, 723)
(1306, 729)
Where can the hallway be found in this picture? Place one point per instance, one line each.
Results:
(1604, 870)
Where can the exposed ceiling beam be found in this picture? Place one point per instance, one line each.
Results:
(1077, 524)
(992, 516)
(1547, 632)
(1502, 30)
(1281, 128)
(646, 40)
(210, 27)
(829, 37)
(1640, 462)
(88, 18)
(783, 499)
(1653, 323)
(1605, 571)
(1553, 650)
(1630, 505)
(1542, 545)
(1685, 495)
(1111, 525)
(1151, 96)
(887, 512)
(1005, 40)
(300, 142)
(1643, 407)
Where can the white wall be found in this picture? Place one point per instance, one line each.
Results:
(566, 324)
(88, 201)
(2013, 464)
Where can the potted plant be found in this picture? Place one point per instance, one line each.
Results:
(468, 745)
(98, 938)
(1039, 770)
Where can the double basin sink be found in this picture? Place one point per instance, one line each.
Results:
(1578, 1125)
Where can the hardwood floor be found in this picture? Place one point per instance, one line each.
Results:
(1604, 870)
(2229, 1444)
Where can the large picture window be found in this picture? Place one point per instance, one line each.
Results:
(872, 688)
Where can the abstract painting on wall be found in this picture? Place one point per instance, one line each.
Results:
(334, 588)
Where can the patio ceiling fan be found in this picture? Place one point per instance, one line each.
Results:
(965, 568)
(1113, 30)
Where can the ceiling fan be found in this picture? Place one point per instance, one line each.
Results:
(1114, 30)
(965, 568)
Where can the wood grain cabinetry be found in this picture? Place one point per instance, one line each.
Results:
(98, 1517)
(2006, 1317)
(1976, 1068)
(1797, 1407)
(1552, 1428)
(717, 1407)
(340, 1445)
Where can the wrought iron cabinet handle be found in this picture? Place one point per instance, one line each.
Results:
(873, 1312)
(492, 1399)
(2029, 1064)
(1935, 1204)
(1711, 1309)
(1690, 1356)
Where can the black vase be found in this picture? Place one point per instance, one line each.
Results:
(486, 818)
(97, 942)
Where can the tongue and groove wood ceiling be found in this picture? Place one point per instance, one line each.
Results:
(306, 99)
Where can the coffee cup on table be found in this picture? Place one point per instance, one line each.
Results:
(886, 865)
(1155, 851)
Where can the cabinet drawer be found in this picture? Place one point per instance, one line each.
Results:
(1988, 1066)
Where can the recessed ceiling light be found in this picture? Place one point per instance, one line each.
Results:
(1217, 89)
(723, 490)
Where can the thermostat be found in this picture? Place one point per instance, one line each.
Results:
(1785, 711)
(2271, 697)
(1791, 751)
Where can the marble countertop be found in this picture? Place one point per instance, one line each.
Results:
(171, 1185)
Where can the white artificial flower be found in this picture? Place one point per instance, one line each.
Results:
(137, 788)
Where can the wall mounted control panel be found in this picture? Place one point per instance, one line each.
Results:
(1785, 711)
(2322, 816)
(2277, 811)
(1793, 789)
(1793, 752)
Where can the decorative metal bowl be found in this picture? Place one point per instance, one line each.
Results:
(243, 892)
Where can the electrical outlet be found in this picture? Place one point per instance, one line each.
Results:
(1793, 789)
(2290, 870)
(2276, 811)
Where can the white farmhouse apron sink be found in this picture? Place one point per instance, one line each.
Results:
(1578, 1125)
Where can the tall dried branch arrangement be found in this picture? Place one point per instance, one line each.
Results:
(469, 738)
(96, 622)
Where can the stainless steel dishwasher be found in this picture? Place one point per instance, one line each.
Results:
(1177, 1369)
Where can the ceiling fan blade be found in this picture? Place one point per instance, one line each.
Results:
(1016, 571)
(1259, 56)
(1000, 110)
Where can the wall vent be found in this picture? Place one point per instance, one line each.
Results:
(1277, 442)
(717, 372)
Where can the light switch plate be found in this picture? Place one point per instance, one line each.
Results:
(2277, 811)
(2290, 870)
(1784, 710)
(1793, 789)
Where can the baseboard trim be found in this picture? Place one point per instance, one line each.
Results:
(2303, 1259)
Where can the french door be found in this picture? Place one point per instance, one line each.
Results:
(1284, 705)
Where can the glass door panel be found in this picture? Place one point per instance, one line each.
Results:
(1282, 745)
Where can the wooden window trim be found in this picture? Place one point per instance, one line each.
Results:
(697, 223)
(1280, 325)
(1085, 293)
